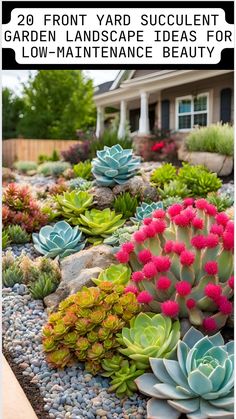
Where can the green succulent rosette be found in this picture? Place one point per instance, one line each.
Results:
(198, 383)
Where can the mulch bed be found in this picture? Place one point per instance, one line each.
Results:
(31, 390)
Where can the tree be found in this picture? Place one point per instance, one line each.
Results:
(12, 110)
(57, 103)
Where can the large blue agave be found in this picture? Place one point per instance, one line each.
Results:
(199, 383)
(58, 240)
(114, 165)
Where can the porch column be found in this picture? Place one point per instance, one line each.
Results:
(144, 128)
(159, 110)
(100, 121)
(122, 126)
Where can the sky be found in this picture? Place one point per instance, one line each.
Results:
(13, 78)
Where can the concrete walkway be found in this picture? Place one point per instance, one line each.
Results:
(15, 402)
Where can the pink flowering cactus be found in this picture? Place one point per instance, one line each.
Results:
(182, 262)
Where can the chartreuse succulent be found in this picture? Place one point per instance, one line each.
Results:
(172, 189)
(122, 373)
(117, 274)
(149, 335)
(99, 224)
(198, 383)
(145, 210)
(58, 240)
(5, 239)
(84, 327)
(182, 263)
(114, 165)
(72, 204)
(83, 170)
(163, 174)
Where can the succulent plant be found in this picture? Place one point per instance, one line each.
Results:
(121, 235)
(123, 373)
(98, 224)
(5, 239)
(171, 200)
(20, 208)
(17, 234)
(125, 204)
(86, 324)
(182, 262)
(11, 276)
(117, 274)
(83, 170)
(79, 183)
(42, 287)
(145, 210)
(199, 383)
(58, 240)
(55, 168)
(149, 335)
(72, 204)
(172, 189)
(163, 174)
(25, 166)
(221, 201)
(198, 180)
(114, 165)
(33, 269)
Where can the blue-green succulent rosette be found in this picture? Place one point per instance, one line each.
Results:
(145, 210)
(114, 165)
(58, 240)
(199, 383)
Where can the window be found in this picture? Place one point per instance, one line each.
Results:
(191, 111)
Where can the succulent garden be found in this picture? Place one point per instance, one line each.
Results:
(118, 284)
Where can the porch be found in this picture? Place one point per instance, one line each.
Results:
(171, 99)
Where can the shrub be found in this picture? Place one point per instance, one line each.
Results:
(85, 326)
(77, 152)
(25, 166)
(198, 382)
(83, 170)
(125, 204)
(99, 224)
(60, 240)
(109, 138)
(42, 158)
(17, 234)
(216, 138)
(114, 166)
(53, 168)
(20, 208)
(182, 263)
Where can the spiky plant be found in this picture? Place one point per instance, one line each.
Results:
(72, 204)
(17, 234)
(83, 170)
(42, 286)
(182, 262)
(5, 239)
(125, 204)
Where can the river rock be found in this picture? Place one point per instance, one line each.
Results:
(77, 271)
(103, 197)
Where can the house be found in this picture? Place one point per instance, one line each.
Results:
(174, 100)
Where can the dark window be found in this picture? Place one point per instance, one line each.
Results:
(225, 105)
(165, 114)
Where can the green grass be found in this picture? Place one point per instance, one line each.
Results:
(216, 138)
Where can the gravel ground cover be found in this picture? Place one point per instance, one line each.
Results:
(69, 393)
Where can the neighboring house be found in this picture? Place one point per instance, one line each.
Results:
(169, 99)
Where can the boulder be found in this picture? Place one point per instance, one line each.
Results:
(217, 163)
(77, 271)
(103, 197)
(134, 186)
